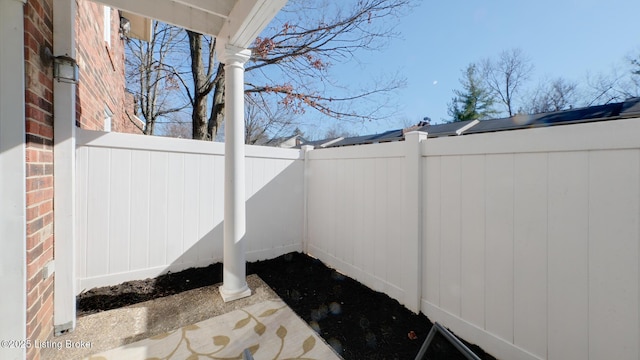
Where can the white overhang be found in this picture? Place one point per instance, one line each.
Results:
(234, 22)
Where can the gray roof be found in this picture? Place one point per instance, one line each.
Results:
(628, 109)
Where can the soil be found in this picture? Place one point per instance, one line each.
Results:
(357, 322)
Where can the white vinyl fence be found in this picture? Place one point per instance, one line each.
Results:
(529, 239)
(524, 242)
(355, 198)
(148, 205)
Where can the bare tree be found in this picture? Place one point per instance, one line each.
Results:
(291, 62)
(634, 61)
(207, 77)
(308, 39)
(180, 130)
(263, 121)
(616, 85)
(336, 131)
(555, 95)
(506, 76)
(290, 66)
(151, 76)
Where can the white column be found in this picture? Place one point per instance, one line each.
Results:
(64, 157)
(412, 283)
(13, 306)
(234, 284)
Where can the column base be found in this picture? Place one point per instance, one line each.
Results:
(234, 295)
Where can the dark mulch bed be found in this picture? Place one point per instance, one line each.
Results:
(357, 321)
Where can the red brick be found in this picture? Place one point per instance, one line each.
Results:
(46, 78)
(33, 329)
(32, 127)
(48, 242)
(45, 131)
(45, 157)
(34, 280)
(32, 212)
(48, 218)
(35, 170)
(33, 353)
(31, 97)
(32, 296)
(45, 207)
(34, 197)
(47, 256)
(34, 274)
(47, 9)
(32, 155)
(32, 311)
(46, 313)
(33, 240)
(34, 253)
(41, 182)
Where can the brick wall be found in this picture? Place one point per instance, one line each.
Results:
(39, 165)
(102, 83)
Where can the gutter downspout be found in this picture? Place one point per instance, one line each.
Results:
(64, 172)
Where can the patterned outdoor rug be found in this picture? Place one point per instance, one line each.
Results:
(270, 330)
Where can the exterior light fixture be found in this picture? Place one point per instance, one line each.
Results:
(125, 27)
(65, 68)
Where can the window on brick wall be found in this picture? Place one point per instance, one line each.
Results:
(108, 116)
(107, 25)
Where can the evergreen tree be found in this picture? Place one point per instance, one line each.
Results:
(475, 101)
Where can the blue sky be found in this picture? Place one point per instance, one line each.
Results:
(567, 38)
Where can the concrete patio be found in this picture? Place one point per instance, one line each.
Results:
(172, 327)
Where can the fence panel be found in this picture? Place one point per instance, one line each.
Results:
(531, 240)
(148, 205)
(567, 243)
(355, 213)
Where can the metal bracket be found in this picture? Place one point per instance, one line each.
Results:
(464, 350)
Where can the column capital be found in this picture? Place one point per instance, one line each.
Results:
(229, 54)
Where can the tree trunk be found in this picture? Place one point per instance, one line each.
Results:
(199, 114)
(217, 110)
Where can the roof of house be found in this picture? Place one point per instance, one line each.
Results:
(627, 109)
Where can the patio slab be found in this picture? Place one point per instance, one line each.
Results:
(111, 329)
(269, 330)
